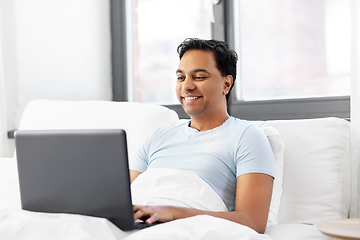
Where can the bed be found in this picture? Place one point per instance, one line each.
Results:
(315, 178)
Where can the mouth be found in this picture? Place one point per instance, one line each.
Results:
(191, 99)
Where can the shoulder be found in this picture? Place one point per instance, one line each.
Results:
(247, 133)
(243, 127)
(237, 122)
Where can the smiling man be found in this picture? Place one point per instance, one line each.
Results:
(233, 156)
(201, 89)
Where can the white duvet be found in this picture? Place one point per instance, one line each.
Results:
(169, 187)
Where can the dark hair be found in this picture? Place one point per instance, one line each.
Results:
(225, 58)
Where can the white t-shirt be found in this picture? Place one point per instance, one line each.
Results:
(218, 155)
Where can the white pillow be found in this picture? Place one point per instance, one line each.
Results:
(277, 146)
(137, 119)
(317, 176)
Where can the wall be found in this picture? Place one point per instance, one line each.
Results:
(9, 74)
(58, 49)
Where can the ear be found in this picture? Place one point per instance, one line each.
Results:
(228, 82)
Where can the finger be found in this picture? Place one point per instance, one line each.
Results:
(153, 218)
(142, 213)
(138, 207)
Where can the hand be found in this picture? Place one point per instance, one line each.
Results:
(151, 214)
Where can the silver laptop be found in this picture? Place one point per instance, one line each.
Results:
(76, 171)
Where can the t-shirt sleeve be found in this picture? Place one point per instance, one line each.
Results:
(140, 161)
(254, 153)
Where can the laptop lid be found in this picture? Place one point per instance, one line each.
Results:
(76, 171)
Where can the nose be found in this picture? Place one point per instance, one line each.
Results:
(188, 85)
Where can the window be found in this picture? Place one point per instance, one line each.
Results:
(294, 55)
(156, 28)
(292, 49)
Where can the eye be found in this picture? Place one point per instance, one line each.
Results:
(180, 78)
(200, 78)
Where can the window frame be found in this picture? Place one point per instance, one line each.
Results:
(118, 51)
(223, 29)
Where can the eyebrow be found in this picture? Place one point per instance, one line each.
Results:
(194, 71)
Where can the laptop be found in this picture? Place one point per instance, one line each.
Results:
(76, 171)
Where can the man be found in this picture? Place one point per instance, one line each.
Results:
(233, 156)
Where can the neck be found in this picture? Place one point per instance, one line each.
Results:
(204, 124)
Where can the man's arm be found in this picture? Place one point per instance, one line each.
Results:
(252, 203)
(133, 175)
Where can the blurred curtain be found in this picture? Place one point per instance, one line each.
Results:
(355, 103)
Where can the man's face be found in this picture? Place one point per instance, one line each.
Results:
(200, 87)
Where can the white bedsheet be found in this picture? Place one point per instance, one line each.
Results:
(17, 224)
(198, 228)
(185, 189)
(9, 184)
(24, 225)
(175, 188)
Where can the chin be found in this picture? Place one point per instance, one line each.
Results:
(192, 112)
(188, 111)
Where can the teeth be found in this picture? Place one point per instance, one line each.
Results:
(190, 98)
